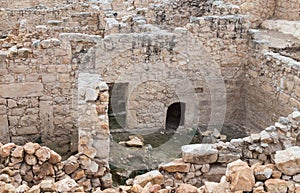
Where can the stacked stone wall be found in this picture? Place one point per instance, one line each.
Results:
(208, 162)
(288, 9)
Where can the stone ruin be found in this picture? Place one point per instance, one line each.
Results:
(68, 67)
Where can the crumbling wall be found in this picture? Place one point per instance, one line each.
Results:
(74, 17)
(208, 162)
(258, 10)
(32, 3)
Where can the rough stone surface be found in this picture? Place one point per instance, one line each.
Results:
(287, 161)
(240, 176)
(155, 177)
(199, 153)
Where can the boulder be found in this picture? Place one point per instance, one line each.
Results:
(200, 153)
(276, 186)
(287, 161)
(240, 176)
(176, 166)
(155, 177)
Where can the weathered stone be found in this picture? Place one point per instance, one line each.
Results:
(155, 177)
(35, 189)
(21, 90)
(186, 188)
(134, 142)
(43, 154)
(71, 166)
(199, 153)
(47, 119)
(176, 166)
(4, 130)
(106, 181)
(240, 176)
(213, 187)
(30, 148)
(287, 161)
(88, 151)
(48, 186)
(276, 186)
(30, 159)
(22, 189)
(66, 185)
(9, 188)
(262, 172)
(5, 149)
(296, 178)
(54, 157)
(296, 115)
(227, 158)
(265, 137)
(18, 152)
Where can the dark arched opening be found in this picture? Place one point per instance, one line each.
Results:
(175, 115)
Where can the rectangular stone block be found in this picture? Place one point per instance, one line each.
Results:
(4, 131)
(21, 90)
(47, 121)
(31, 130)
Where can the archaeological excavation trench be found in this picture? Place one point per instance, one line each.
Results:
(92, 90)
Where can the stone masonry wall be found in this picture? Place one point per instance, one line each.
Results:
(272, 88)
(288, 9)
(74, 17)
(208, 162)
(257, 10)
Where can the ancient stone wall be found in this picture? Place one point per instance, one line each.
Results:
(272, 87)
(32, 3)
(287, 9)
(257, 10)
(208, 162)
(75, 17)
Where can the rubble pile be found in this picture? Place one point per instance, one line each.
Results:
(261, 163)
(35, 168)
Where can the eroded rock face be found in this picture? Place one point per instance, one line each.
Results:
(199, 153)
(240, 176)
(287, 161)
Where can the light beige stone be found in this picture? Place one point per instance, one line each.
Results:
(21, 90)
(155, 177)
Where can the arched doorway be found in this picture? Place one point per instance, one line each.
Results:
(175, 115)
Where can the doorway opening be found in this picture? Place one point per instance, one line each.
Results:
(117, 105)
(175, 116)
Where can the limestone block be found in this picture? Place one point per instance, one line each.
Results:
(47, 120)
(21, 90)
(199, 153)
(276, 186)
(186, 188)
(287, 161)
(176, 166)
(155, 177)
(240, 176)
(4, 131)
